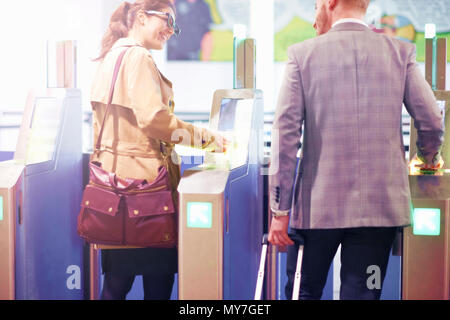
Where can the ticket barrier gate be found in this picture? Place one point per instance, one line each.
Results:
(221, 214)
(426, 244)
(11, 187)
(40, 193)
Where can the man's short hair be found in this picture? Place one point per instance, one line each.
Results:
(357, 4)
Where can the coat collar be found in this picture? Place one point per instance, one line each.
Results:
(123, 42)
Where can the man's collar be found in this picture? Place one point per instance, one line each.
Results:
(344, 20)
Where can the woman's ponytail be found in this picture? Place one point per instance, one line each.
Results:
(118, 28)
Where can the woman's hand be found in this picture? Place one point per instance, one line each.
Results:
(217, 143)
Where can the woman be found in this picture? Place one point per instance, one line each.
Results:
(140, 132)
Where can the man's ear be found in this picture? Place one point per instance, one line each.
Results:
(332, 4)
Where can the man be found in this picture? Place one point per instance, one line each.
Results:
(346, 87)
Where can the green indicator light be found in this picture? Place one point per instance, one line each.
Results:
(1, 208)
(199, 215)
(426, 221)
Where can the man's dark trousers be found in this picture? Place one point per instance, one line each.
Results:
(364, 251)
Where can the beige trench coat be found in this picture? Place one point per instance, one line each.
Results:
(140, 118)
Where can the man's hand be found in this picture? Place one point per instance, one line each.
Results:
(278, 234)
(416, 165)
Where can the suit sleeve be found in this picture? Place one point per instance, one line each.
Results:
(286, 134)
(151, 113)
(421, 104)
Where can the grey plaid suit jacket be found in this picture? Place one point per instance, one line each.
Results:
(347, 87)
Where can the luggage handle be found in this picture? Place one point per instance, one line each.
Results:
(297, 278)
(298, 269)
(298, 274)
(262, 266)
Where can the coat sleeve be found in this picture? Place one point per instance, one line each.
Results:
(421, 104)
(150, 111)
(286, 134)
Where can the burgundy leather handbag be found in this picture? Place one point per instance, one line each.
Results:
(127, 212)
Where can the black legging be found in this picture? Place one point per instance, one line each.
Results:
(156, 287)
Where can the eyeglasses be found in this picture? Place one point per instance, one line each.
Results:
(170, 21)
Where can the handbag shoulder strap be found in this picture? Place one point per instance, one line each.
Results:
(111, 95)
